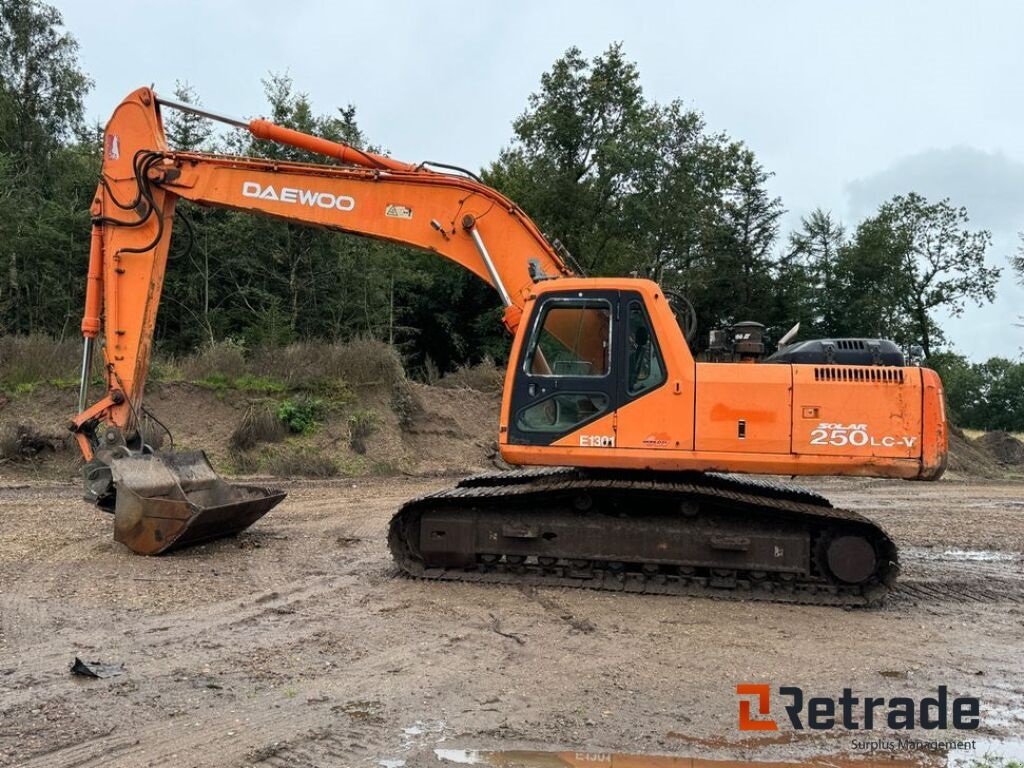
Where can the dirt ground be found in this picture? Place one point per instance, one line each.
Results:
(297, 644)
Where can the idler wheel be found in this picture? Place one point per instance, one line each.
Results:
(851, 559)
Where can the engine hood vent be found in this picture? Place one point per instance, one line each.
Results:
(863, 374)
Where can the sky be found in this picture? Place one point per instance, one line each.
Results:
(847, 103)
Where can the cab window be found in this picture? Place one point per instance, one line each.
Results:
(562, 412)
(646, 369)
(573, 338)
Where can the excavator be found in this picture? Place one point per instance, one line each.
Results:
(638, 460)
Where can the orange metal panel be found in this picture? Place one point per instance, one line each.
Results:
(934, 435)
(743, 407)
(567, 454)
(857, 411)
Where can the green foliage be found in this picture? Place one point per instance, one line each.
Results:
(982, 395)
(989, 760)
(41, 86)
(215, 381)
(266, 385)
(631, 186)
(903, 264)
(48, 167)
(1017, 260)
(301, 414)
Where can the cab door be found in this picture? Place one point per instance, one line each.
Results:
(565, 377)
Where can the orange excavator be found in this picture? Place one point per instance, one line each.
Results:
(637, 454)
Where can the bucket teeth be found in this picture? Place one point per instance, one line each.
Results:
(170, 500)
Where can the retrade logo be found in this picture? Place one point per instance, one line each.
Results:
(762, 695)
(823, 713)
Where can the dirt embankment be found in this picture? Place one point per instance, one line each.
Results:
(422, 430)
(992, 455)
(430, 430)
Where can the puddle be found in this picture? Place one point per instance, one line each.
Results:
(414, 737)
(570, 759)
(965, 555)
(986, 754)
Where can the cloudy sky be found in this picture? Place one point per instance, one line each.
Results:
(848, 103)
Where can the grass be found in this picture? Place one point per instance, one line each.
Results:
(330, 371)
(287, 395)
(485, 376)
(989, 760)
(302, 414)
(26, 361)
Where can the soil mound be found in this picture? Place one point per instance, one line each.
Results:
(1006, 448)
(966, 457)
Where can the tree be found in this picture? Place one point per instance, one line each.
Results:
(944, 261)
(1017, 260)
(905, 263)
(634, 187)
(736, 275)
(575, 155)
(807, 271)
(1017, 263)
(46, 181)
(187, 131)
(41, 85)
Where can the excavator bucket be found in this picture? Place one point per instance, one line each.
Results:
(167, 501)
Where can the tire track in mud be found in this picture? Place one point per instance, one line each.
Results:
(959, 577)
(226, 731)
(218, 625)
(25, 604)
(207, 738)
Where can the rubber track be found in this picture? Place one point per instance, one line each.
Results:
(760, 494)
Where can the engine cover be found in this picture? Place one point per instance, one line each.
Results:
(840, 352)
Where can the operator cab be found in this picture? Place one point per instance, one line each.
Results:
(585, 354)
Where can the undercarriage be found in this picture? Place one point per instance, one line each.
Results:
(692, 533)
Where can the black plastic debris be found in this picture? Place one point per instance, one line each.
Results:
(96, 668)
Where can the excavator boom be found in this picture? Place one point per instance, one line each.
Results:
(162, 501)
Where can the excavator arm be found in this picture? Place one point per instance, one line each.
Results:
(455, 216)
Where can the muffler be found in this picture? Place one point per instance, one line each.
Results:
(167, 501)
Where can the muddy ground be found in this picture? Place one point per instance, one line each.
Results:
(297, 643)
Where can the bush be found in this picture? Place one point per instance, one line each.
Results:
(405, 404)
(982, 395)
(301, 414)
(361, 425)
(260, 424)
(486, 376)
(220, 361)
(307, 365)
